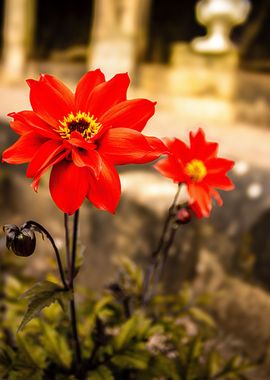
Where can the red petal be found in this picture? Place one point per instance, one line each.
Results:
(157, 144)
(24, 149)
(201, 197)
(197, 210)
(19, 127)
(105, 191)
(157, 149)
(50, 99)
(60, 87)
(90, 159)
(53, 161)
(179, 149)
(43, 156)
(219, 180)
(216, 165)
(85, 87)
(78, 141)
(124, 146)
(107, 94)
(217, 197)
(210, 150)
(200, 148)
(27, 121)
(69, 185)
(129, 114)
(171, 168)
(201, 212)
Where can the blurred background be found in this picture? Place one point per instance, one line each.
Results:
(206, 63)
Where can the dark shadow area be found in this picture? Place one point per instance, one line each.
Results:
(61, 25)
(170, 21)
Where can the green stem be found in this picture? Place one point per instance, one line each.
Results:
(160, 268)
(42, 229)
(74, 244)
(67, 241)
(71, 270)
(150, 272)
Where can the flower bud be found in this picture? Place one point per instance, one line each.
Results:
(183, 216)
(20, 240)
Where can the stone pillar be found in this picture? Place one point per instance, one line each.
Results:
(116, 38)
(17, 26)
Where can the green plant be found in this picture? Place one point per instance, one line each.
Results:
(174, 338)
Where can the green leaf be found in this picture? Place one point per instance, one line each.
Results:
(155, 329)
(235, 367)
(101, 373)
(192, 360)
(59, 376)
(201, 316)
(127, 331)
(103, 303)
(133, 273)
(213, 363)
(185, 295)
(32, 356)
(25, 373)
(196, 348)
(132, 359)
(27, 364)
(41, 295)
(13, 287)
(6, 359)
(143, 327)
(56, 346)
(163, 367)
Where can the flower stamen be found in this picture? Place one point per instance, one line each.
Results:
(196, 170)
(84, 123)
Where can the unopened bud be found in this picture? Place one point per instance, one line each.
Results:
(20, 240)
(183, 216)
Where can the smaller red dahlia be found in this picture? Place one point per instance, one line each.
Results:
(199, 168)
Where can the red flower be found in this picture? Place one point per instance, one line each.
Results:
(199, 168)
(81, 137)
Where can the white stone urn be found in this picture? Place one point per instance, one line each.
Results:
(219, 17)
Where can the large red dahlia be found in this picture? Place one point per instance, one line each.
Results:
(81, 137)
(199, 168)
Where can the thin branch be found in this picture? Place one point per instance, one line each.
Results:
(73, 315)
(150, 272)
(74, 244)
(67, 241)
(160, 270)
(56, 251)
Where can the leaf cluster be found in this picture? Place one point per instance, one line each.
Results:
(174, 338)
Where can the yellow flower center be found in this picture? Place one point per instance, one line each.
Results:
(84, 123)
(196, 170)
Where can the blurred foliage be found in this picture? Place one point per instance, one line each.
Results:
(246, 257)
(171, 338)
